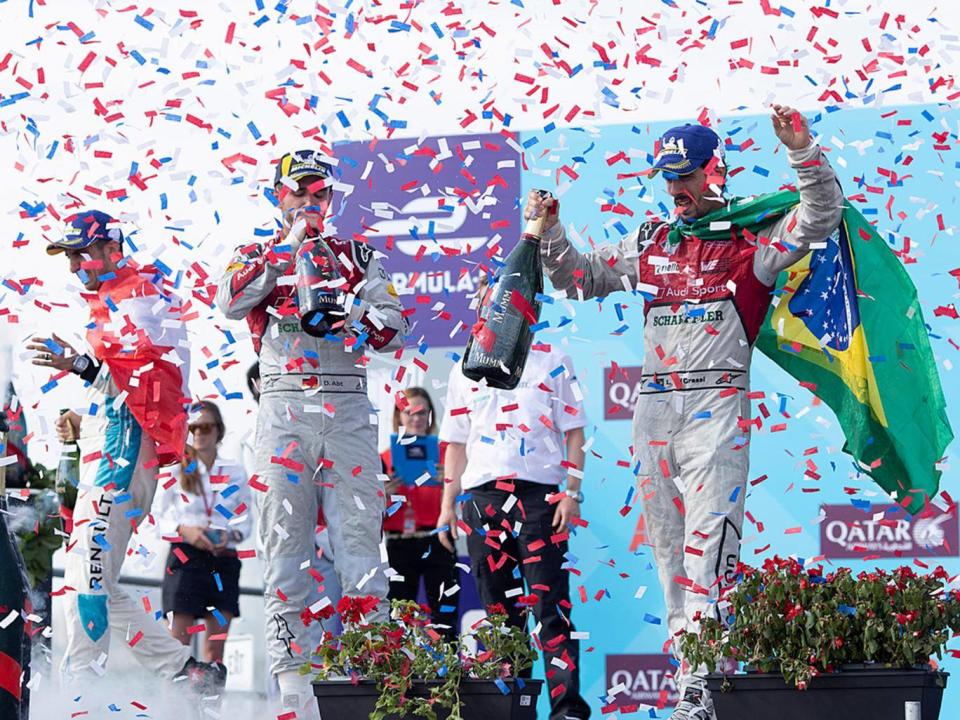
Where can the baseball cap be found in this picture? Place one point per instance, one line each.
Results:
(84, 229)
(685, 148)
(299, 164)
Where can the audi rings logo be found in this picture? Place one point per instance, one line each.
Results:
(887, 531)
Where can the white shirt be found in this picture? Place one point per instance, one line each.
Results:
(223, 504)
(515, 433)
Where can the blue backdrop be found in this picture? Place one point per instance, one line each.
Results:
(905, 163)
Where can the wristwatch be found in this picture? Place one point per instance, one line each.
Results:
(574, 495)
(80, 365)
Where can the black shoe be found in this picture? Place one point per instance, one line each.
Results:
(203, 678)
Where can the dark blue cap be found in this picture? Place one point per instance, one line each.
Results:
(300, 164)
(685, 148)
(84, 229)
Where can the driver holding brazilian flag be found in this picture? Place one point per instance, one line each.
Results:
(707, 286)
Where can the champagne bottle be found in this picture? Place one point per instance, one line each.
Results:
(500, 342)
(319, 292)
(14, 640)
(68, 469)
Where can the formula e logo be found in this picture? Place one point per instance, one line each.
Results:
(427, 222)
(715, 266)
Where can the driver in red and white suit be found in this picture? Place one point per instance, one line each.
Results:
(316, 441)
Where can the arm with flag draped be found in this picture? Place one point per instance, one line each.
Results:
(138, 334)
(846, 323)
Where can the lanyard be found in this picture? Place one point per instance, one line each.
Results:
(208, 505)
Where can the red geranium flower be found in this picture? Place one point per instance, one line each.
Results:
(496, 609)
(354, 609)
(308, 616)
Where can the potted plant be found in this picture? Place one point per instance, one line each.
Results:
(827, 646)
(402, 668)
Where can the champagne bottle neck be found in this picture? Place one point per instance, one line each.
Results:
(534, 229)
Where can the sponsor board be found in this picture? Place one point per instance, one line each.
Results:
(642, 679)
(886, 531)
(437, 207)
(620, 390)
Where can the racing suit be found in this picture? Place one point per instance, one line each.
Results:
(118, 479)
(133, 421)
(315, 442)
(704, 306)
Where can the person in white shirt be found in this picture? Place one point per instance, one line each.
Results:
(204, 511)
(505, 462)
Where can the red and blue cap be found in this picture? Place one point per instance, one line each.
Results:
(684, 148)
(84, 229)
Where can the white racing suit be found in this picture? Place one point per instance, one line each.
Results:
(118, 478)
(705, 303)
(315, 439)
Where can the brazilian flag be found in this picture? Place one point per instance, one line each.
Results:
(846, 323)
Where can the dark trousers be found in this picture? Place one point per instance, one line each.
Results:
(425, 557)
(498, 558)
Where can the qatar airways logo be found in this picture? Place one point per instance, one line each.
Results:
(887, 531)
(621, 388)
(634, 680)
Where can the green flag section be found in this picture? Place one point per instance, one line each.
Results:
(846, 323)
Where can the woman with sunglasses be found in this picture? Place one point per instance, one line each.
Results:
(204, 511)
(414, 462)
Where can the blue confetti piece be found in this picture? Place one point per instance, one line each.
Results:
(221, 620)
(143, 22)
(735, 494)
(342, 117)
(502, 686)
(652, 619)
(703, 415)
(219, 507)
(101, 540)
(558, 370)
(762, 171)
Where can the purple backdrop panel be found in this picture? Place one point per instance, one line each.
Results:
(438, 208)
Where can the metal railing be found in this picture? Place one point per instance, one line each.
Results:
(155, 583)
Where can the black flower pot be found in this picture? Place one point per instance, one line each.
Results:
(482, 699)
(876, 693)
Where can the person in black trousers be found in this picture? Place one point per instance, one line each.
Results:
(508, 453)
